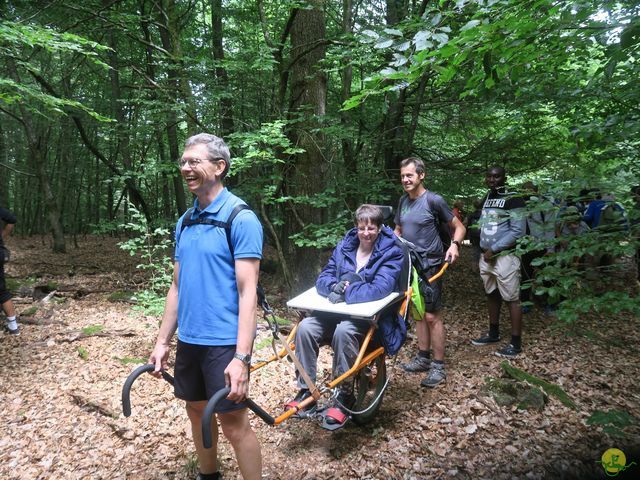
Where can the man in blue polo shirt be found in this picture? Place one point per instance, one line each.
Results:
(212, 304)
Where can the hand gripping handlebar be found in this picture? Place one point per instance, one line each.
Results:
(126, 389)
(207, 416)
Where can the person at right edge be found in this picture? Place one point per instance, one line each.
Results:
(7, 221)
(420, 216)
(502, 222)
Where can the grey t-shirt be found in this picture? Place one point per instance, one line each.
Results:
(418, 222)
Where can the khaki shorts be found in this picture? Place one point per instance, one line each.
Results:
(503, 273)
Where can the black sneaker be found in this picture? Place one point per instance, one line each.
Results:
(211, 476)
(339, 413)
(486, 339)
(302, 394)
(417, 364)
(15, 331)
(509, 351)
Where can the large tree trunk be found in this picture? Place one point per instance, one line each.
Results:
(36, 144)
(307, 103)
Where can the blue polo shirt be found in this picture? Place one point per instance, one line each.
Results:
(207, 290)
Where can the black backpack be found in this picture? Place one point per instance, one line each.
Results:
(443, 227)
(188, 221)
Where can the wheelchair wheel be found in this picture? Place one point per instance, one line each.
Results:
(369, 385)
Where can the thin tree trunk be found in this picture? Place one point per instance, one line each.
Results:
(226, 104)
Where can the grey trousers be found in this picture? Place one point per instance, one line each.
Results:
(344, 336)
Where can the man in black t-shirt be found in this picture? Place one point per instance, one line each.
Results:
(7, 221)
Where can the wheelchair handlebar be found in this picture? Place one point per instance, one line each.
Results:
(126, 388)
(207, 416)
(440, 272)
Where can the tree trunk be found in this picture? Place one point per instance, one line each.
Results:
(307, 103)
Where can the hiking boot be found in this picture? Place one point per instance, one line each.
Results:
(417, 364)
(509, 351)
(486, 339)
(436, 376)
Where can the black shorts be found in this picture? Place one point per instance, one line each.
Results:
(199, 374)
(432, 293)
(5, 295)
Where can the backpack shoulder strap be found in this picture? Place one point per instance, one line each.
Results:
(433, 212)
(227, 226)
(188, 221)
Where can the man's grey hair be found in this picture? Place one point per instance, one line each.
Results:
(216, 148)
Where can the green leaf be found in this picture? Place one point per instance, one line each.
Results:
(470, 24)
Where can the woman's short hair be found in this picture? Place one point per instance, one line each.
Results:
(368, 214)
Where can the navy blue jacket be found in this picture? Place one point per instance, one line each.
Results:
(381, 274)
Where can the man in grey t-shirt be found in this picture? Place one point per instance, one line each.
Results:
(418, 218)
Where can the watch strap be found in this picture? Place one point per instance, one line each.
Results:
(246, 359)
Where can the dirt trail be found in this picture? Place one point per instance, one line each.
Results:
(62, 419)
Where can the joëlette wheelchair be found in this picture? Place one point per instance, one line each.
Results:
(368, 373)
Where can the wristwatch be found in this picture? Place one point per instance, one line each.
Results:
(457, 242)
(246, 359)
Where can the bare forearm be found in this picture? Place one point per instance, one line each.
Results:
(169, 317)
(247, 281)
(246, 322)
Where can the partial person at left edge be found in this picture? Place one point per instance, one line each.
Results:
(212, 304)
(7, 221)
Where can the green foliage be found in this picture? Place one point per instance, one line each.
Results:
(584, 273)
(29, 312)
(105, 227)
(15, 38)
(130, 360)
(92, 329)
(549, 388)
(153, 247)
(83, 353)
(612, 422)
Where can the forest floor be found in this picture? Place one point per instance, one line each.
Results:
(61, 380)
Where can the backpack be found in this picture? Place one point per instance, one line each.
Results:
(612, 217)
(188, 221)
(262, 300)
(443, 228)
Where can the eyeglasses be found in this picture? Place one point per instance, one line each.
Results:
(367, 229)
(194, 162)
